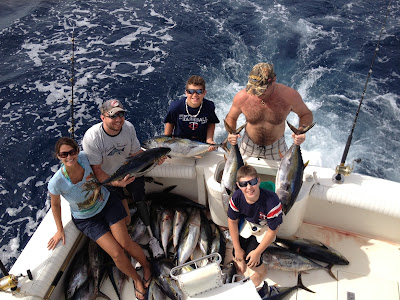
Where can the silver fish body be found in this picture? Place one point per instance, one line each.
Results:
(232, 164)
(161, 270)
(139, 164)
(315, 250)
(77, 274)
(180, 147)
(166, 229)
(289, 177)
(205, 238)
(137, 230)
(189, 237)
(282, 259)
(179, 221)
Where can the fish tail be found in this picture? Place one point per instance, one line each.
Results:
(231, 130)
(298, 131)
(329, 270)
(301, 285)
(100, 295)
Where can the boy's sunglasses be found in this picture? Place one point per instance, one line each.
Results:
(192, 91)
(120, 114)
(65, 154)
(254, 181)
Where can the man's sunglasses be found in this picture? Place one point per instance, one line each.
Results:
(192, 91)
(120, 114)
(65, 154)
(254, 181)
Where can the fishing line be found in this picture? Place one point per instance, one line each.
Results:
(342, 169)
(72, 79)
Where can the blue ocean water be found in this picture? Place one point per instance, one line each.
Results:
(142, 52)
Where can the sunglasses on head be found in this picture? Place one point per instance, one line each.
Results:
(192, 91)
(65, 154)
(120, 114)
(254, 181)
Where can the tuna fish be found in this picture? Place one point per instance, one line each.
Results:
(289, 178)
(161, 270)
(137, 229)
(166, 229)
(139, 164)
(97, 270)
(77, 274)
(232, 164)
(180, 147)
(117, 278)
(189, 237)
(314, 249)
(228, 271)
(206, 234)
(179, 221)
(154, 292)
(276, 257)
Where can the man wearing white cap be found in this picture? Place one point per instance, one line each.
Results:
(266, 104)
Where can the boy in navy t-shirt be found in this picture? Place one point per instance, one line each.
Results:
(192, 117)
(262, 212)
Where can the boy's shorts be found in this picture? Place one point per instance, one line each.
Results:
(248, 245)
(98, 225)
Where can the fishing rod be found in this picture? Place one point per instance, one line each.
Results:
(342, 170)
(72, 79)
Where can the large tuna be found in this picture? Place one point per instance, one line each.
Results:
(232, 164)
(180, 147)
(279, 258)
(289, 178)
(139, 164)
(315, 250)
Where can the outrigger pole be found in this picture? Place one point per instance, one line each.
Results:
(72, 130)
(342, 169)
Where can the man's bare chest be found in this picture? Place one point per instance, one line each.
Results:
(274, 113)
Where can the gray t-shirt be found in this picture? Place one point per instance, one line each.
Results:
(110, 151)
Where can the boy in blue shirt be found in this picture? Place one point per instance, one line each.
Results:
(192, 117)
(262, 213)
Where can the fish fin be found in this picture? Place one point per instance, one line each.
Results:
(100, 295)
(299, 131)
(168, 189)
(329, 269)
(306, 164)
(238, 130)
(301, 285)
(198, 156)
(228, 128)
(280, 153)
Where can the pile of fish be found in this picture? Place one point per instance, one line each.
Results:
(90, 266)
(185, 233)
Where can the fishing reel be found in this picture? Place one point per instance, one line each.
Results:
(342, 170)
(9, 283)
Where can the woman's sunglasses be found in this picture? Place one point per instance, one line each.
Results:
(65, 154)
(254, 181)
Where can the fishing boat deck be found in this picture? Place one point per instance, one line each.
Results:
(373, 272)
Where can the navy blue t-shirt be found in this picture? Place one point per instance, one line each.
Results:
(188, 127)
(267, 210)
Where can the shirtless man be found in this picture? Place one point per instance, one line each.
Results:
(266, 104)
